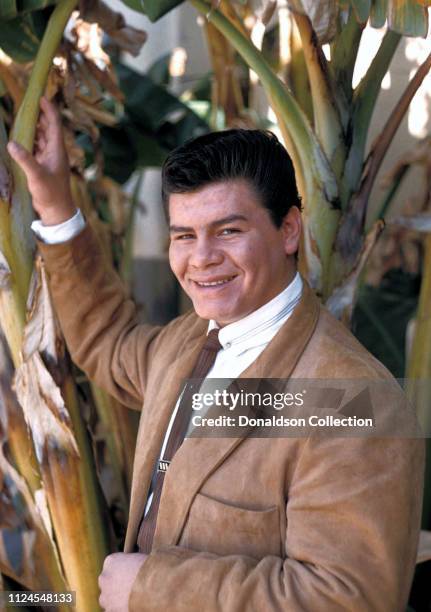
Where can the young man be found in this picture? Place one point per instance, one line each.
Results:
(230, 524)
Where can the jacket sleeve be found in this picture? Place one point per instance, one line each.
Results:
(353, 515)
(99, 322)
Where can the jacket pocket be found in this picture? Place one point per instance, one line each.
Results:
(223, 529)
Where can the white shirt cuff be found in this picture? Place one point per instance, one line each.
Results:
(55, 234)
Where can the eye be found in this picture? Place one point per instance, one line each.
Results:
(182, 237)
(227, 231)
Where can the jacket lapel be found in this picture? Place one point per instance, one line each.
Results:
(154, 423)
(197, 458)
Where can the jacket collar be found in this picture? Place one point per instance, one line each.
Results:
(256, 328)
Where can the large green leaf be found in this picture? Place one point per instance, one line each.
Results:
(408, 17)
(125, 148)
(10, 9)
(378, 13)
(119, 152)
(154, 9)
(157, 111)
(159, 70)
(150, 153)
(381, 316)
(27, 6)
(362, 9)
(146, 103)
(18, 38)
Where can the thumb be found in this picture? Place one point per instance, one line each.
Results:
(23, 158)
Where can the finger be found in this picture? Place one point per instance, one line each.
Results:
(40, 155)
(42, 126)
(40, 133)
(40, 141)
(23, 158)
(43, 117)
(50, 116)
(54, 130)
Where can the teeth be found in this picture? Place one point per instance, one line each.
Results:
(220, 282)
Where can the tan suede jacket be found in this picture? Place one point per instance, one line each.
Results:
(305, 524)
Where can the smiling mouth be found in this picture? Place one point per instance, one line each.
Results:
(217, 283)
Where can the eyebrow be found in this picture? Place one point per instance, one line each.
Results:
(217, 223)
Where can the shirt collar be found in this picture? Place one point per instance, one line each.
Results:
(251, 329)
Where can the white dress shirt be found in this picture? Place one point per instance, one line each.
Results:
(242, 341)
(54, 234)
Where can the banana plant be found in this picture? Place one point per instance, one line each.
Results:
(43, 382)
(328, 151)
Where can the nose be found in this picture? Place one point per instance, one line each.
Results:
(204, 253)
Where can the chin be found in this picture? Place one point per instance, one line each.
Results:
(205, 313)
(222, 318)
(214, 314)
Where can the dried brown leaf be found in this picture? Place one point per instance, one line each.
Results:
(55, 82)
(322, 14)
(226, 91)
(42, 332)
(84, 107)
(25, 529)
(14, 79)
(129, 39)
(77, 118)
(88, 41)
(39, 396)
(117, 201)
(106, 79)
(75, 153)
(44, 408)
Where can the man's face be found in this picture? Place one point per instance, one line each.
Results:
(226, 252)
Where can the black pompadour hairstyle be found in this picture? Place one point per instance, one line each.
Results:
(255, 155)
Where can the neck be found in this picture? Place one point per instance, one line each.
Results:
(290, 277)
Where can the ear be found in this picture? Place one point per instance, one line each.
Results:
(291, 227)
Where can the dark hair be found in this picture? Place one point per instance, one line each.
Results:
(255, 155)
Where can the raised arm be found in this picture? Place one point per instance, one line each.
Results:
(98, 321)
